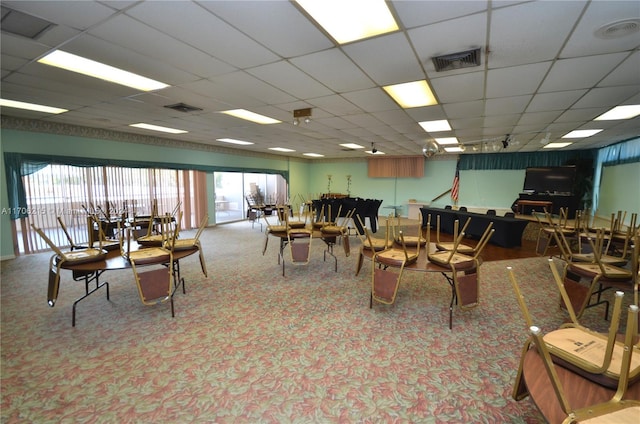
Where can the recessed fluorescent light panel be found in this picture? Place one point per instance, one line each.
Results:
(84, 66)
(435, 126)
(620, 112)
(454, 149)
(158, 128)
(31, 106)
(250, 116)
(352, 146)
(446, 141)
(580, 133)
(556, 145)
(234, 141)
(351, 20)
(313, 155)
(281, 149)
(411, 94)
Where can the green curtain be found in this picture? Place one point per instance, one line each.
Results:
(18, 165)
(492, 161)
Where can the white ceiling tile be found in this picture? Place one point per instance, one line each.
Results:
(628, 73)
(558, 100)
(506, 105)
(516, 35)
(609, 96)
(418, 13)
(285, 76)
(466, 109)
(399, 63)
(459, 88)
(75, 14)
(343, 75)
(563, 75)
(298, 37)
(196, 26)
(371, 100)
(583, 41)
(130, 34)
(516, 80)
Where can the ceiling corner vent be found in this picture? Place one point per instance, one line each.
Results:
(449, 62)
(183, 107)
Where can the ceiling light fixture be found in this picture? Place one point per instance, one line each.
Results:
(620, 112)
(31, 106)
(435, 126)
(411, 94)
(580, 133)
(505, 142)
(348, 21)
(313, 155)
(281, 149)
(234, 141)
(446, 140)
(91, 68)
(373, 148)
(352, 146)
(556, 145)
(158, 128)
(251, 116)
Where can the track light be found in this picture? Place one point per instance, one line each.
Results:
(505, 142)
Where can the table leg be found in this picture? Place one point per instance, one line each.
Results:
(88, 278)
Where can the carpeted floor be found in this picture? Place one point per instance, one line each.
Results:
(250, 346)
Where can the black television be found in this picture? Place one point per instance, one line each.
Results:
(550, 180)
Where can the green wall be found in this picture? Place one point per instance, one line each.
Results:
(484, 189)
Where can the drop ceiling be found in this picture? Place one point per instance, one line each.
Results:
(542, 70)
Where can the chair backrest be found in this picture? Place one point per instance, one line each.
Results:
(608, 271)
(462, 208)
(66, 232)
(614, 406)
(491, 212)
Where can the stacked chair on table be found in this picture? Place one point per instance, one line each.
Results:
(179, 244)
(370, 243)
(448, 245)
(153, 267)
(462, 271)
(335, 232)
(387, 267)
(589, 364)
(598, 274)
(75, 256)
(299, 241)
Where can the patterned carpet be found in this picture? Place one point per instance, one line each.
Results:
(250, 346)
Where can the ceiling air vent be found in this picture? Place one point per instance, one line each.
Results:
(458, 60)
(182, 107)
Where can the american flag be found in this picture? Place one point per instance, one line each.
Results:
(455, 188)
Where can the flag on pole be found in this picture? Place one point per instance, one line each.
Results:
(455, 187)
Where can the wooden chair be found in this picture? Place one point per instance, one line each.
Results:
(594, 356)
(371, 243)
(331, 233)
(72, 244)
(60, 257)
(299, 242)
(387, 267)
(600, 276)
(464, 276)
(176, 243)
(568, 254)
(461, 247)
(555, 405)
